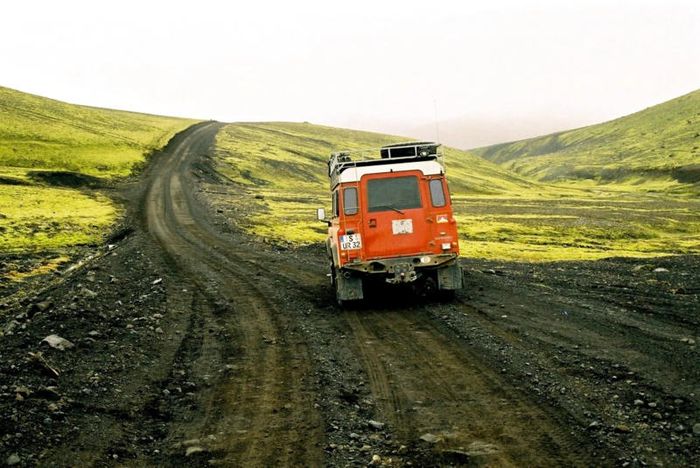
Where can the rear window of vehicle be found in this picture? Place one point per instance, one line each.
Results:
(398, 193)
(350, 201)
(437, 194)
(335, 203)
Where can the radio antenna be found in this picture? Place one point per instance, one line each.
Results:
(437, 126)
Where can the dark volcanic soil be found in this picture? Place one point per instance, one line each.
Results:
(193, 343)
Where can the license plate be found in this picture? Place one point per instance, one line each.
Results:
(350, 242)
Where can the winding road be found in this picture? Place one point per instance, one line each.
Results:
(243, 304)
(264, 406)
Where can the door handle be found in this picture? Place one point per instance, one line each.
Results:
(373, 223)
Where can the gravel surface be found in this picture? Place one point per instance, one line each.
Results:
(187, 341)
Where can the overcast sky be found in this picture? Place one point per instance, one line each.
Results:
(380, 65)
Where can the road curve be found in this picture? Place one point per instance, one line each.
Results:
(423, 379)
(197, 344)
(260, 410)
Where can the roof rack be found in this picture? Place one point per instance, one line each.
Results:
(388, 154)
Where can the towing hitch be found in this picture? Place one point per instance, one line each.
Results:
(403, 273)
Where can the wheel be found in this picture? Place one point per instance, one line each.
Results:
(429, 287)
(335, 284)
(333, 273)
(425, 288)
(336, 287)
(446, 295)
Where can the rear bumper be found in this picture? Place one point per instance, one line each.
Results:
(444, 269)
(391, 265)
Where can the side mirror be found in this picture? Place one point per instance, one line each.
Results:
(321, 214)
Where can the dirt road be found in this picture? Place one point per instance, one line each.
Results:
(195, 343)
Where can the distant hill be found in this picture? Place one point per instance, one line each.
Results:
(41, 133)
(54, 158)
(280, 175)
(285, 164)
(295, 155)
(660, 144)
(471, 132)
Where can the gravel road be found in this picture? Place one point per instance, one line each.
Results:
(191, 342)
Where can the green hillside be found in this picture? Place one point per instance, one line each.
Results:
(282, 168)
(286, 164)
(295, 155)
(41, 133)
(652, 150)
(55, 156)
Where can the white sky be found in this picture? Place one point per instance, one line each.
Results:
(381, 65)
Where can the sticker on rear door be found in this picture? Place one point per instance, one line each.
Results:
(402, 226)
(350, 242)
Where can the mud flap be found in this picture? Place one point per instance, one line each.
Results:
(348, 289)
(450, 277)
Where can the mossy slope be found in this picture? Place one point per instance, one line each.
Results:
(277, 155)
(501, 214)
(657, 149)
(54, 157)
(41, 133)
(286, 164)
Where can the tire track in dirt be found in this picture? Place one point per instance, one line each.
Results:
(261, 410)
(407, 357)
(427, 383)
(404, 371)
(423, 381)
(389, 398)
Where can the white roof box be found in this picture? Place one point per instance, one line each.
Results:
(348, 166)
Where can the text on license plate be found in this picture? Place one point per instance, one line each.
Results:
(350, 242)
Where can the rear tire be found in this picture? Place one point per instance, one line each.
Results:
(333, 274)
(336, 286)
(425, 288)
(446, 295)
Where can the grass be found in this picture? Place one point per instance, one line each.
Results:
(501, 215)
(41, 133)
(285, 163)
(655, 150)
(581, 226)
(45, 218)
(633, 201)
(54, 156)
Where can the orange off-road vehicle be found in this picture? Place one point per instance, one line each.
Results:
(391, 220)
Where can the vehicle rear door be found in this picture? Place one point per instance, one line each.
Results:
(394, 221)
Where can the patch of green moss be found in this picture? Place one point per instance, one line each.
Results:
(656, 150)
(286, 163)
(44, 218)
(501, 215)
(577, 228)
(45, 144)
